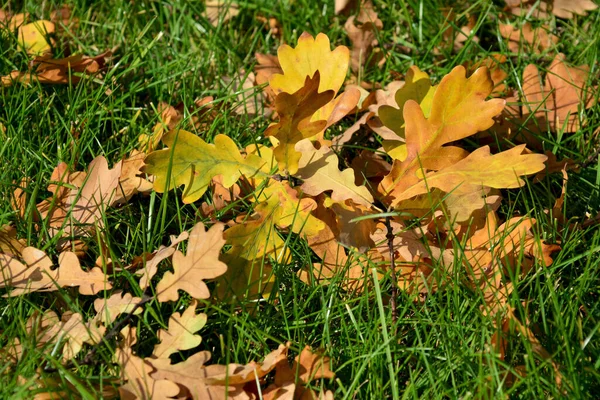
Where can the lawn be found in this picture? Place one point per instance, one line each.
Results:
(441, 293)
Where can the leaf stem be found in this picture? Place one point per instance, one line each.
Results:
(390, 238)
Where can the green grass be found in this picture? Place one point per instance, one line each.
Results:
(166, 51)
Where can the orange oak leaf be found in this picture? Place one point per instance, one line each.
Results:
(252, 371)
(295, 111)
(47, 70)
(560, 8)
(139, 384)
(130, 183)
(220, 11)
(201, 262)
(70, 332)
(9, 244)
(469, 175)
(153, 260)
(290, 383)
(180, 335)
(451, 119)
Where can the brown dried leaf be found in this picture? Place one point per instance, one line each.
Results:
(201, 262)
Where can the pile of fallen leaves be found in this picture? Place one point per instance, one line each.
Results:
(395, 210)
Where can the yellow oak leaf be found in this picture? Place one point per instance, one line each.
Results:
(247, 279)
(33, 36)
(309, 56)
(192, 162)
(180, 335)
(295, 111)
(319, 171)
(452, 118)
(200, 262)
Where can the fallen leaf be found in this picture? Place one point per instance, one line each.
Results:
(220, 11)
(319, 171)
(450, 119)
(295, 110)
(33, 37)
(47, 70)
(192, 162)
(362, 32)
(108, 310)
(9, 244)
(344, 6)
(180, 335)
(153, 260)
(130, 183)
(555, 104)
(139, 384)
(527, 37)
(201, 262)
(37, 274)
(193, 375)
(310, 56)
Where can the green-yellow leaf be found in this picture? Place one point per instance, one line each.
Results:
(192, 162)
(33, 37)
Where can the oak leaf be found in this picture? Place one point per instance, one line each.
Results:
(451, 118)
(310, 56)
(290, 383)
(295, 111)
(180, 335)
(220, 11)
(319, 171)
(537, 39)
(139, 384)
(33, 37)
(362, 32)
(130, 183)
(469, 176)
(151, 261)
(9, 244)
(555, 104)
(560, 8)
(108, 310)
(36, 274)
(193, 374)
(47, 70)
(192, 162)
(200, 262)
(417, 88)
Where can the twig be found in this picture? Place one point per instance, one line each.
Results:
(390, 239)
